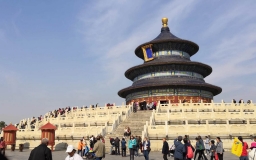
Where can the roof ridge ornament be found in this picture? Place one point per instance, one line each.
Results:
(165, 22)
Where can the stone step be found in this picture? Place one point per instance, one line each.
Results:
(135, 121)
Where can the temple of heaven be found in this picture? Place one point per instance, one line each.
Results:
(167, 73)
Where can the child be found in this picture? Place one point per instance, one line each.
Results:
(212, 150)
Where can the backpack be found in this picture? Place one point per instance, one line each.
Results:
(123, 144)
(190, 153)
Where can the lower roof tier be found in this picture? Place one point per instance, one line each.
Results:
(174, 95)
(215, 90)
(156, 66)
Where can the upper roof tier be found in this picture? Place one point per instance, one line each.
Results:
(167, 41)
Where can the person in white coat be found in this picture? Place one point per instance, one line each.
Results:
(252, 153)
(207, 145)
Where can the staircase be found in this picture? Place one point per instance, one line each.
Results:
(135, 121)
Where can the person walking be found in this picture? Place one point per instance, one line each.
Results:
(212, 149)
(219, 148)
(179, 149)
(99, 149)
(123, 145)
(146, 148)
(201, 148)
(136, 152)
(41, 152)
(207, 145)
(244, 155)
(80, 147)
(2, 157)
(72, 155)
(2, 146)
(197, 148)
(132, 147)
(165, 149)
(189, 150)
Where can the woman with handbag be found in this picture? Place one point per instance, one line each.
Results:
(219, 148)
(146, 148)
(212, 150)
(132, 146)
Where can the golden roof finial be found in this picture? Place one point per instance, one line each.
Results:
(165, 22)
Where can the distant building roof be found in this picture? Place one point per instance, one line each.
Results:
(48, 126)
(10, 127)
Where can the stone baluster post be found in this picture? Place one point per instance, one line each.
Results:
(166, 128)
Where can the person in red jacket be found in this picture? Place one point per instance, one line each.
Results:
(244, 155)
(2, 146)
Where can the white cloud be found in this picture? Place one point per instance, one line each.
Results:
(117, 40)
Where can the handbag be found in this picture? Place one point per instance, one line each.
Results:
(149, 149)
(134, 146)
(216, 156)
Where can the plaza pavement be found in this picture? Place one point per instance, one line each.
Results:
(61, 155)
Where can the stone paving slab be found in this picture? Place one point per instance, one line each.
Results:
(61, 155)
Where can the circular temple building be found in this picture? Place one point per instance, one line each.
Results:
(167, 73)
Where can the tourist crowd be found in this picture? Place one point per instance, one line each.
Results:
(144, 106)
(53, 114)
(181, 149)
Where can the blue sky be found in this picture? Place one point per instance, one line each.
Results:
(72, 53)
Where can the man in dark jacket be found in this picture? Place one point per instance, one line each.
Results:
(165, 149)
(41, 152)
(117, 146)
(179, 149)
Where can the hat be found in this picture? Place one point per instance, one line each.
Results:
(70, 148)
(253, 144)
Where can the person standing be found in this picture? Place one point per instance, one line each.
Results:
(165, 149)
(123, 145)
(99, 149)
(219, 148)
(244, 155)
(2, 146)
(72, 155)
(117, 146)
(112, 143)
(132, 146)
(179, 149)
(41, 152)
(146, 148)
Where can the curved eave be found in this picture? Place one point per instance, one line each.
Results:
(151, 64)
(205, 86)
(182, 44)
